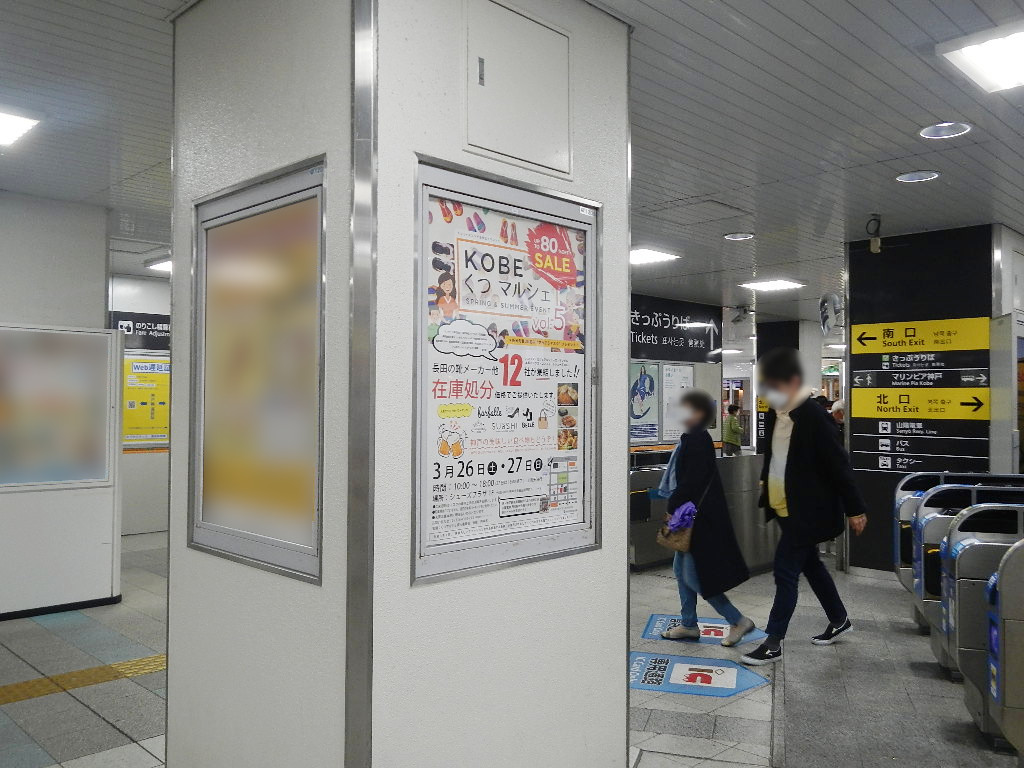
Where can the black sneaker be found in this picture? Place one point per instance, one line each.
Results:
(762, 656)
(832, 634)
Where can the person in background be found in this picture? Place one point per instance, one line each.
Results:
(839, 417)
(823, 402)
(732, 433)
(807, 485)
(714, 564)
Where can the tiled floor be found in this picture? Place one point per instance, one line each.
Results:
(117, 723)
(876, 699)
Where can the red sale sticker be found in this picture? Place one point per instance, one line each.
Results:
(551, 254)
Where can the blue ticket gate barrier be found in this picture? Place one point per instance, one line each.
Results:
(908, 495)
(933, 515)
(978, 539)
(1004, 688)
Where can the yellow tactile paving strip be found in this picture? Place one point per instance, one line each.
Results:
(43, 686)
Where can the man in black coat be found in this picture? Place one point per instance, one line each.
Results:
(807, 485)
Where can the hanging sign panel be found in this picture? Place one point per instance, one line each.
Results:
(920, 400)
(146, 401)
(505, 424)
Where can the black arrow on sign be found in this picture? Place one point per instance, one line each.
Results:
(863, 339)
(974, 404)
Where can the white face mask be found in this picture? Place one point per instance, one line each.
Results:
(776, 398)
(686, 415)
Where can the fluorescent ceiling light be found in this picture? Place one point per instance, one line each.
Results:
(944, 130)
(731, 351)
(752, 337)
(772, 285)
(739, 236)
(912, 177)
(993, 59)
(696, 325)
(647, 256)
(160, 265)
(836, 346)
(13, 127)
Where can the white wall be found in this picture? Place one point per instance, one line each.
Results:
(53, 262)
(151, 295)
(810, 341)
(524, 666)
(256, 674)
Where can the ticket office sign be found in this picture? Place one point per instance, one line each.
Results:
(146, 401)
(504, 385)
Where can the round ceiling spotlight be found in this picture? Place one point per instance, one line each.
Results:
(739, 236)
(944, 130)
(912, 177)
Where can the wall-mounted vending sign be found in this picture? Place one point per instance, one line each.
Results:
(920, 395)
(504, 387)
(146, 401)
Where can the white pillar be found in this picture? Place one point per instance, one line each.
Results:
(810, 353)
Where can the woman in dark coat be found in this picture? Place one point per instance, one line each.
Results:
(714, 564)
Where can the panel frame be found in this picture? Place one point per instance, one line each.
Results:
(266, 193)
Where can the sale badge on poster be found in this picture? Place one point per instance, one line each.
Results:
(503, 382)
(695, 676)
(711, 630)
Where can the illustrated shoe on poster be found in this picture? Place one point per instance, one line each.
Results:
(480, 226)
(446, 212)
(469, 224)
(514, 240)
(504, 230)
(441, 249)
(517, 328)
(457, 207)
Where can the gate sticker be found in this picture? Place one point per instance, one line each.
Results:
(711, 630)
(683, 674)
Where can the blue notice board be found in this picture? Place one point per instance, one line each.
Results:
(711, 630)
(684, 674)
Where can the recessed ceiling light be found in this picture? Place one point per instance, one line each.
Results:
(836, 346)
(739, 236)
(647, 256)
(912, 177)
(944, 130)
(994, 59)
(772, 285)
(160, 265)
(752, 337)
(13, 127)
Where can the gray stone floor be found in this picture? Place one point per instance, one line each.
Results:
(115, 724)
(877, 699)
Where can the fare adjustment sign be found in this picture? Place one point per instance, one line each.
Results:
(920, 395)
(504, 403)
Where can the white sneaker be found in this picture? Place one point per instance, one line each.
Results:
(682, 633)
(737, 633)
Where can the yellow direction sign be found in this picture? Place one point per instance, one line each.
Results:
(920, 336)
(921, 403)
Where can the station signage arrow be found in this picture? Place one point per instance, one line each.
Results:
(975, 404)
(863, 338)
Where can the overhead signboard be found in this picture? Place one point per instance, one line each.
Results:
(505, 416)
(143, 330)
(920, 399)
(678, 331)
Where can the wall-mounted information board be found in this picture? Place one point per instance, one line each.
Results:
(920, 395)
(146, 400)
(505, 397)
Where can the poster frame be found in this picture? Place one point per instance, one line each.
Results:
(115, 352)
(501, 193)
(145, 444)
(266, 193)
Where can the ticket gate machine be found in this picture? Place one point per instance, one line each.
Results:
(1005, 680)
(908, 496)
(935, 512)
(978, 538)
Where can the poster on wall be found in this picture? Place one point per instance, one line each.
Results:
(644, 402)
(146, 401)
(503, 378)
(675, 380)
(142, 330)
(680, 331)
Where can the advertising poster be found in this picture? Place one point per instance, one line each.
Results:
(644, 402)
(260, 439)
(146, 401)
(675, 379)
(502, 379)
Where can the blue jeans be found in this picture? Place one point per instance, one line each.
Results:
(790, 561)
(689, 587)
